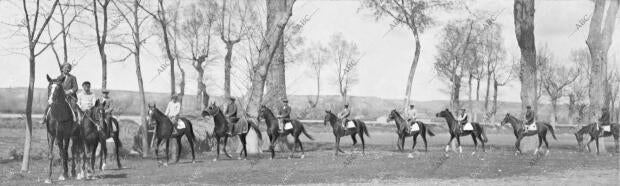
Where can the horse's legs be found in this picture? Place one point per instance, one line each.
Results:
(354, 140)
(449, 141)
(191, 146)
(226, 144)
(167, 151)
(93, 158)
(415, 141)
(243, 146)
(50, 156)
(588, 144)
(458, 141)
(294, 145)
(361, 138)
(398, 143)
(117, 143)
(473, 137)
(65, 158)
(217, 141)
(337, 145)
(518, 143)
(597, 151)
(402, 142)
(272, 140)
(179, 147)
(479, 136)
(540, 141)
(103, 155)
(157, 149)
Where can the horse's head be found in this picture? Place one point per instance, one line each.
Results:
(444, 113)
(211, 110)
(392, 115)
(329, 117)
(55, 91)
(151, 112)
(506, 119)
(98, 112)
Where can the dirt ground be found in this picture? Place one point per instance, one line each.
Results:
(380, 164)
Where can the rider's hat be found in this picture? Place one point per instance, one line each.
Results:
(231, 98)
(66, 64)
(528, 107)
(105, 91)
(284, 100)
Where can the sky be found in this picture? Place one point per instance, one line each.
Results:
(387, 53)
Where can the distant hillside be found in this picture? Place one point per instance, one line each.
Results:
(13, 100)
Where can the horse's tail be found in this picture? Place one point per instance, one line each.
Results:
(191, 130)
(303, 129)
(428, 130)
(363, 128)
(483, 134)
(256, 129)
(551, 130)
(118, 131)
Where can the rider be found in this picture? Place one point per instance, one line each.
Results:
(70, 87)
(173, 110)
(86, 101)
(411, 117)
(530, 116)
(604, 120)
(107, 104)
(463, 118)
(284, 114)
(231, 115)
(344, 115)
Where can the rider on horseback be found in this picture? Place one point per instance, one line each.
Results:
(86, 101)
(344, 115)
(231, 115)
(284, 114)
(70, 87)
(530, 116)
(463, 118)
(605, 120)
(107, 105)
(173, 110)
(411, 117)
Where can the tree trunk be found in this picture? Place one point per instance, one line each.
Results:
(456, 89)
(28, 133)
(138, 45)
(414, 65)
(278, 14)
(554, 106)
(227, 68)
(102, 40)
(495, 89)
(200, 86)
(571, 108)
(486, 96)
(469, 96)
(276, 86)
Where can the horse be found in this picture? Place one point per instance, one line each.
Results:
(60, 126)
(163, 131)
(221, 127)
(520, 132)
(273, 131)
(339, 131)
(402, 134)
(111, 130)
(594, 133)
(478, 131)
(93, 137)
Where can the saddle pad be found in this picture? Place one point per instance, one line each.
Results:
(531, 127)
(468, 127)
(180, 124)
(350, 124)
(415, 127)
(288, 125)
(606, 128)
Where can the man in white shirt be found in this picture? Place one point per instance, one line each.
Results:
(411, 116)
(173, 110)
(86, 101)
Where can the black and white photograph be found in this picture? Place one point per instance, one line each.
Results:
(309, 92)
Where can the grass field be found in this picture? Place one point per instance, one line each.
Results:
(381, 164)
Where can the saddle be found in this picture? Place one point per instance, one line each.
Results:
(350, 124)
(606, 128)
(284, 126)
(415, 127)
(468, 127)
(530, 127)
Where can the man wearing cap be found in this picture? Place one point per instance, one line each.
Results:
(462, 118)
(284, 114)
(344, 115)
(530, 115)
(86, 101)
(172, 111)
(604, 120)
(411, 117)
(231, 115)
(107, 104)
(70, 87)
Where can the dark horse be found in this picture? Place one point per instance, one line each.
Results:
(221, 126)
(478, 131)
(163, 131)
(520, 132)
(60, 126)
(340, 131)
(594, 133)
(402, 134)
(273, 131)
(110, 130)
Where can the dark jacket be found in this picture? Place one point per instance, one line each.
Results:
(70, 84)
(231, 111)
(285, 112)
(530, 116)
(605, 119)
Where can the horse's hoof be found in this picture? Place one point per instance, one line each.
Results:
(165, 164)
(473, 153)
(103, 167)
(214, 159)
(410, 155)
(61, 178)
(47, 181)
(238, 158)
(547, 153)
(289, 157)
(80, 176)
(302, 156)
(193, 162)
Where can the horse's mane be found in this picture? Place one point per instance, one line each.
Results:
(585, 129)
(450, 114)
(397, 114)
(268, 110)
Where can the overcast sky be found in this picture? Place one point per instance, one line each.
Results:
(382, 73)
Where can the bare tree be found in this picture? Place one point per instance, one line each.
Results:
(34, 32)
(232, 28)
(578, 92)
(555, 81)
(415, 14)
(197, 31)
(599, 40)
(346, 57)
(317, 55)
(524, 29)
(101, 30)
(130, 12)
(64, 23)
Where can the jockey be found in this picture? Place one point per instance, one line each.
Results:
(86, 101)
(231, 115)
(530, 116)
(173, 110)
(344, 115)
(462, 117)
(107, 104)
(605, 119)
(411, 114)
(70, 87)
(284, 114)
